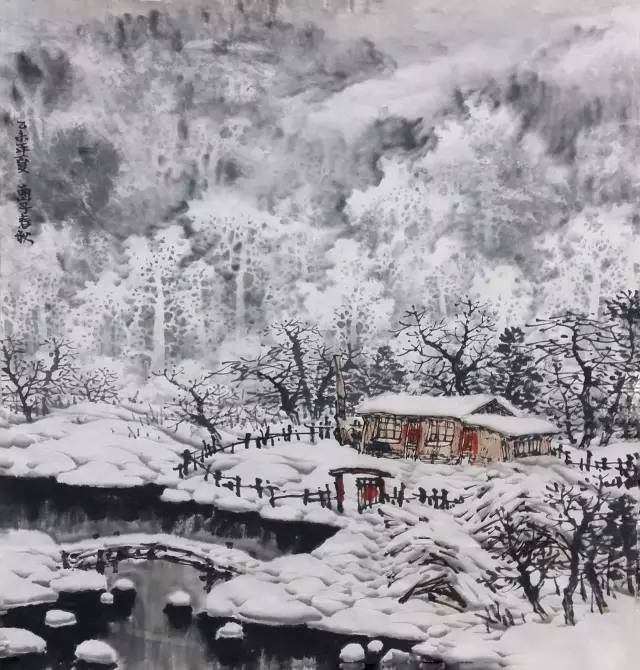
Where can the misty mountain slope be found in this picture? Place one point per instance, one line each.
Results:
(275, 169)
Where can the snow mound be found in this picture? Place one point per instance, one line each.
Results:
(100, 475)
(96, 651)
(106, 598)
(75, 581)
(179, 599)
(230, 631)
(59, 619)
(18, 641)
(175, 496)
(352, 653)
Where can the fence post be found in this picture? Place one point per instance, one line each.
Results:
(267, 434)
(444, 503)
(247, 440)
(339, 486)
(401, 496)
(305, 497)
(312, 431)
(422, 495)
(272, 502)
(258, 443)
(589, 456)
(435, 498)
(328, 495)
(186, 457)
(238, 485)
(289, 431)
(259, 486)
(217, 475)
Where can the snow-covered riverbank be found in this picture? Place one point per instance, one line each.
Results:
(354, 582)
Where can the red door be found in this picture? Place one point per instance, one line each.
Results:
(469, 444)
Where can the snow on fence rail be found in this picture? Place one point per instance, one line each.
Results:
(196, 457)
(628, 469)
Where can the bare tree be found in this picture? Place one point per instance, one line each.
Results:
(35, 381)
(522, 543)
(452, 353)
(624, 311)
(295, 373)
(94, 385)
(514, 373)
(577, 532)
(200, 402)
(585, 360)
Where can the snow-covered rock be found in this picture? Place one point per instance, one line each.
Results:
(179, 599)
(230, 631)
(375, 647)
(96, 651)
(123, 584)
(18, 641)
(352, 653)
(106, 598)
(59, 619)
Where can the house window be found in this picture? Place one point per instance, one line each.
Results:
(389, 429)
(440, 433)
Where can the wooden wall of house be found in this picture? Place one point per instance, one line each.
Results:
(489, 446)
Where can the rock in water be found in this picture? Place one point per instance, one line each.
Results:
(230, 631)
(352, 653)
(59, 619)
(96, 651)
(179, 599)
(106, 598)
(123, 584)
(374, 647)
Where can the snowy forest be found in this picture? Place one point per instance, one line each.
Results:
(248, 216)
(578, 369)
(248, 230)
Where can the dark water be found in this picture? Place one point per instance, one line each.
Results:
(70, 513)
(146, 638)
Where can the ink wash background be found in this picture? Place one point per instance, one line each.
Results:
(203, 172)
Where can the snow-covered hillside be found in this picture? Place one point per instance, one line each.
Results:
(355, 582)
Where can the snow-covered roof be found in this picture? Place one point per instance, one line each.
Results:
(513, 426)
(405, 404)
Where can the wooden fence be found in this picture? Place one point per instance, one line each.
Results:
(194, 459)
(628, 470)
(372, 491)
(271, 492)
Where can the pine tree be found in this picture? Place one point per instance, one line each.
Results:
(514, 374)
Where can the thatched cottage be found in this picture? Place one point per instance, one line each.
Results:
(482, 428)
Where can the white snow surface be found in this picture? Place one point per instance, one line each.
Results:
(59, 618)
(352, 653)
(18, 641)
(179, 598)
(230, 631)
(123, 584)
(406, 404)
(96, 651)
(73, 581)
(511, 425)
